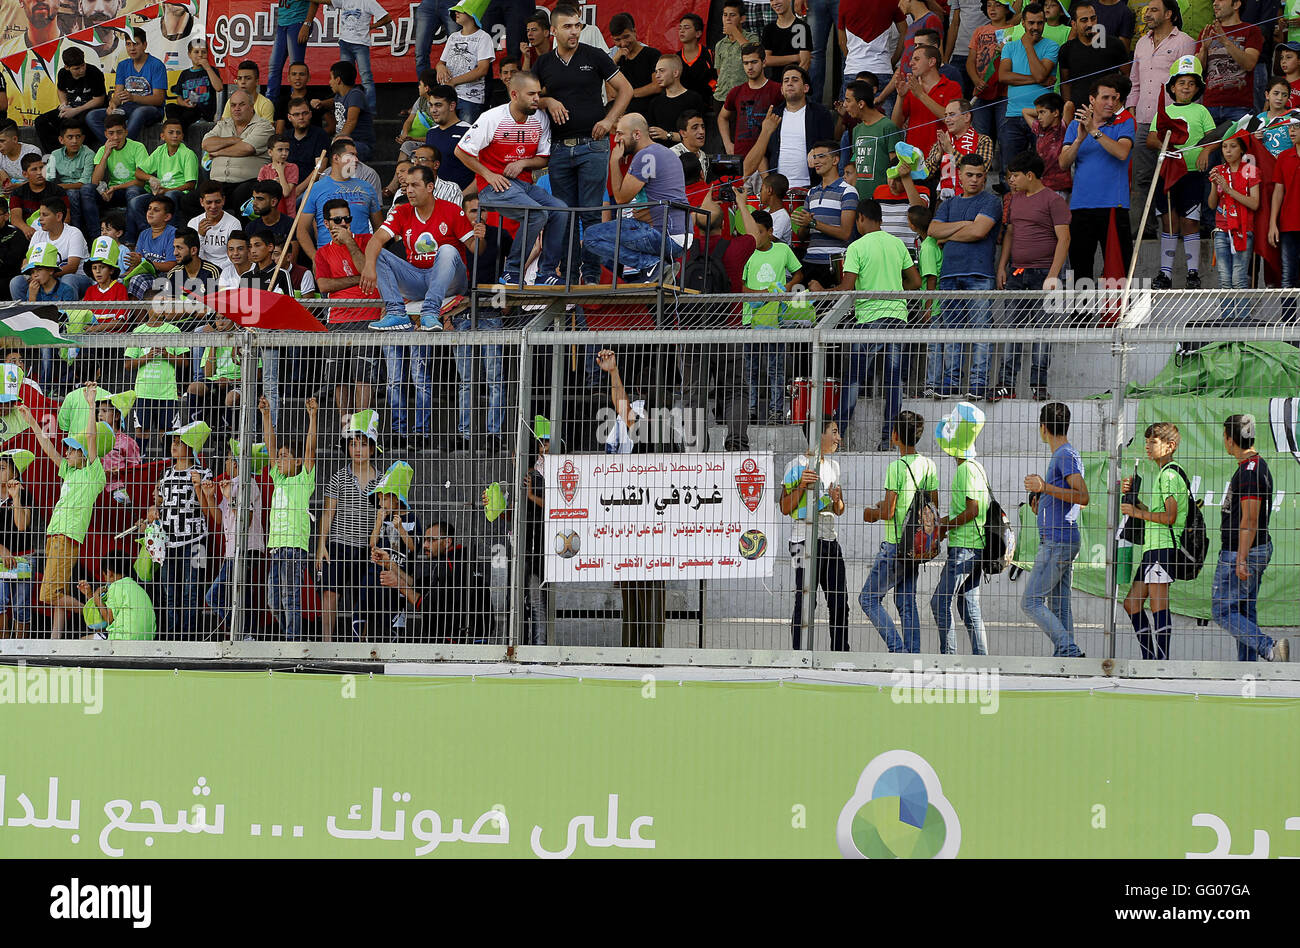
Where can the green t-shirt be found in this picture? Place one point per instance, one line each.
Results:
(1199, 124)
(1059, 34)
(931, 265)
(224, 366)
(123, 162)
(290, 525)
(873, 150)
(133, 616)
(767, 271)
(1168, 483)
(1292, 12)
(76, 504)
(879, 260)
(1197, 15)
(968, 482)
(172, 170)
(923, 476)
(157, 378)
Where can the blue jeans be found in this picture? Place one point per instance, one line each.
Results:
(84, 203)
(966, 314)
(1026, 313)
(861, 356)
(399, 281)
(16, 599)
(1234, 272)
(890, 571)
(639, 244)
(427, 17)
(360, 54)
(286, 39)
(138, 118)
(468, 111)
(182, 582)
(271, 380)
(822, 16)
(217, 598)
(987, 117)
(493, 368)
(578, 175)
(1047, 597)
(773, 355)
(958, 579)
(393, 359)
(284, 589)
(1289, 245)
(137, 206)
(1014, 137)
(1234, 604)
(544, 212)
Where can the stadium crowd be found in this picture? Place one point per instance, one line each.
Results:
(962, 146)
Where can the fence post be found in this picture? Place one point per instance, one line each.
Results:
(243, 501)
(1115, 452)
(519, 559)
(812, 496)
(557, 433)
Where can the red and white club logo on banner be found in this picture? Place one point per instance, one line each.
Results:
(568, 481)
(749, 484)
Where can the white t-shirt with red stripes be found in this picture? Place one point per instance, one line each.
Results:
(496, 140)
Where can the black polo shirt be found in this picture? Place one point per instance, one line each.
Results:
(640, 72)
(1251, 479)
(577, 85)
(304, 151)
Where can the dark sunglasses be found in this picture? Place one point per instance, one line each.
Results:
(340, 220)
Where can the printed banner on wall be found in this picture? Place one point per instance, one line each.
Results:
(244, 29)
(142, 765)
(35, 35)
(635, 517)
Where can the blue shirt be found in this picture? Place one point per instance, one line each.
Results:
(1022, 97)
(154, 249)
(976, 258)
(826, 203)
(63, 293)
(1057, 520)
(1101, 179)
(359, 195)
(145, 81)
(290, 12)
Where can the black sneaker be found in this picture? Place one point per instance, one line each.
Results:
(1193, 279)
(1162, 281)
(1040, 394)
(1001, 394)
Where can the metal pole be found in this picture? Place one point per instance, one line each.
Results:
(557, 418)
(812, 496)
(519, 584)
(618, 236)
(1115, 450)
(244, 498)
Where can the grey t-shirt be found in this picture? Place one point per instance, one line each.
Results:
(664, 179)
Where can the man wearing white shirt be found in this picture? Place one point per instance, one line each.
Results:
(238, 265)
(214, 225)
(67, 240)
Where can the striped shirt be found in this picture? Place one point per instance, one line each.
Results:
(826, 202)
(354, 515)
(496, 139)
(179, 510)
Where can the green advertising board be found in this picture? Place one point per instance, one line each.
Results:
(221, 764)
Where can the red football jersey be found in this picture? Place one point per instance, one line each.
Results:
(446, 224)
(333, 261)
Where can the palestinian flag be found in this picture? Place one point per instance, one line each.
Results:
(35, 327)
(1265, 163)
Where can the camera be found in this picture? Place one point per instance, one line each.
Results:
(728, 169)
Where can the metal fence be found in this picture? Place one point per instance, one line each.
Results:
(437, 547)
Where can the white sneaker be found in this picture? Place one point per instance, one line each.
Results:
(1281, 651)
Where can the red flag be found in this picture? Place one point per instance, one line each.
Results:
(1173, 167)
(1113, 269)
(1258, 154)
(262, 309)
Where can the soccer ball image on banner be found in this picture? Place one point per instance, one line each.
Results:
(753, 544)
(567, 543)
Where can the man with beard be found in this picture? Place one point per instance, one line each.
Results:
(95, 12)
(443, 585)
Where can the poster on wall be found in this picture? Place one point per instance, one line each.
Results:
(34, 35)
(659, 516)
(244, 29)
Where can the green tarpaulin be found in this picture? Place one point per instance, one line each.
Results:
(1227, 370)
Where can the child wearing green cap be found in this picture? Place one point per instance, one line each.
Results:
(467, 58)
(964, 528)
(154, 368)
(16, 543)
(83, 478)
(289, 529)
(125, 453)
(121, 602)
(1179, 206)
(184, 498)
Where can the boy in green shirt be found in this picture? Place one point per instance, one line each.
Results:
(1163, 507)
(115, 164)
(930, 262)
(83, 478)
(771, 268)
(121, 602)
(219, 385)
(171, 169)
(289, 526)
(964, 527)
(1179, 207)
(155, 378)
(907, 474)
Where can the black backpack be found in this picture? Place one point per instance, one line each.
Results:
(918, 540)
(706, 274)
(999, 538)
(1192, 547)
